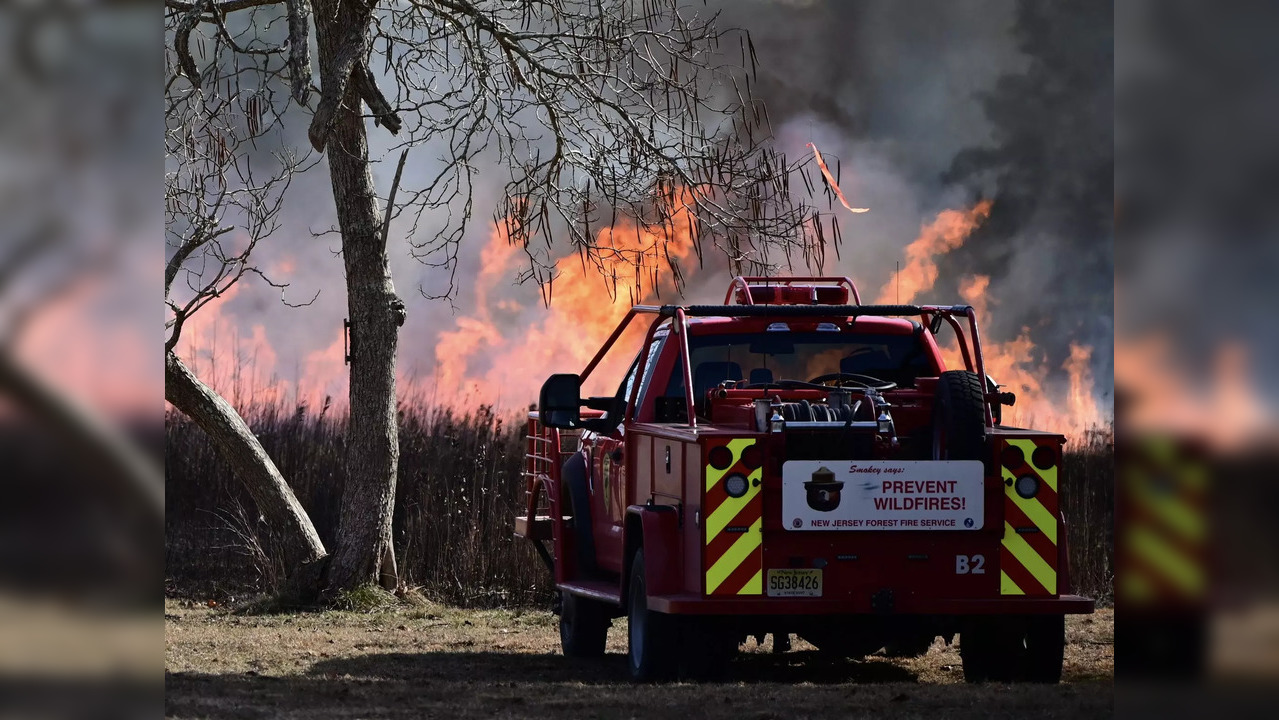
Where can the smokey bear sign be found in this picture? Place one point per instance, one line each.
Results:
(882, 495)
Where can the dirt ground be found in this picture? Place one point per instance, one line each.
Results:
(435, 661)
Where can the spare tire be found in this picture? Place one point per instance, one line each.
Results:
(959, 417)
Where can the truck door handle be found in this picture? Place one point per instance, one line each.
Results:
(668, 458)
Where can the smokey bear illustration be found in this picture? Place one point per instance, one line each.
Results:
(823, 490)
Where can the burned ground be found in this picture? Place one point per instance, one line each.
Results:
(437, 661)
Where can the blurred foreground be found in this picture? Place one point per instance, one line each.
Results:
(1197, 244)
(81, 518)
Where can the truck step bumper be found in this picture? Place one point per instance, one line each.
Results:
(698, 605)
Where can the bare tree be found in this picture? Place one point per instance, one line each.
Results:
(590, 110)
(224, 189)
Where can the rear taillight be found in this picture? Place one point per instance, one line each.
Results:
(1044, 457)
(720, 457)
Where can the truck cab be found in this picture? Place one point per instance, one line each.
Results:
(795, 462)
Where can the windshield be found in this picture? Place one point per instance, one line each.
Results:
(769, 357)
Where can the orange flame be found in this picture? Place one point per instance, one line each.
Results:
(478, 362)
(948, 231)
(1017, 364)
(501, 351)
(243, 368)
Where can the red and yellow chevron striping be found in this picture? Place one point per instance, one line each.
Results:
(733, 558)
(1163, 527)
(1028, 551)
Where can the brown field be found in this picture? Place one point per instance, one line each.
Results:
(436, 661)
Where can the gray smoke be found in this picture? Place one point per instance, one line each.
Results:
(923, 106)
(938, 105)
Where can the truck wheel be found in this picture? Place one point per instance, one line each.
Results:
(986, 651)
(651, 641)
(579, 497)
(1045, 648)
(705, 650)
(1014, 649)
(583, 627)
(959, 417)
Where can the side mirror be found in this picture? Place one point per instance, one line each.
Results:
(560, 402)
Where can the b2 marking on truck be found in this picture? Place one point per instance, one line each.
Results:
(975, 565)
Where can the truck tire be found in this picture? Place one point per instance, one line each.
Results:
(705, 649)
(1045, 648)
(579, 497)
(1014, 649)
(583, 627)
(959, 417)
(651, 640)
(987, 650)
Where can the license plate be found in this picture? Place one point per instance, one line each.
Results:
(794, 583)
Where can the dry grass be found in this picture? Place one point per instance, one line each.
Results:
(458, 493)
(457, 496)
(436, 661)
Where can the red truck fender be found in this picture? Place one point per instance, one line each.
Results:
(656, 528)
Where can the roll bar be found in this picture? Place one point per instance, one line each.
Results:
(973, 362)
(790, 310)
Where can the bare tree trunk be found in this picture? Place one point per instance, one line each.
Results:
(292, 529)
(376, 312)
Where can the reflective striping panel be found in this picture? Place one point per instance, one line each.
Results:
(733, 554)
(739, 552)
(1007, 586)
(1028, 549)
(1032, 560)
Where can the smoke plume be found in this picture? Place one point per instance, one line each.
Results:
(918, 111)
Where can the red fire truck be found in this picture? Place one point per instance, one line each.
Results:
(796, 462)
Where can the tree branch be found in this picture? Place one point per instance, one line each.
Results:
(390, 201)
(300, 50)
(192, 244)
(334, 79)
(366, 87)
(182, 43)
(250, 461)
(222, 8)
